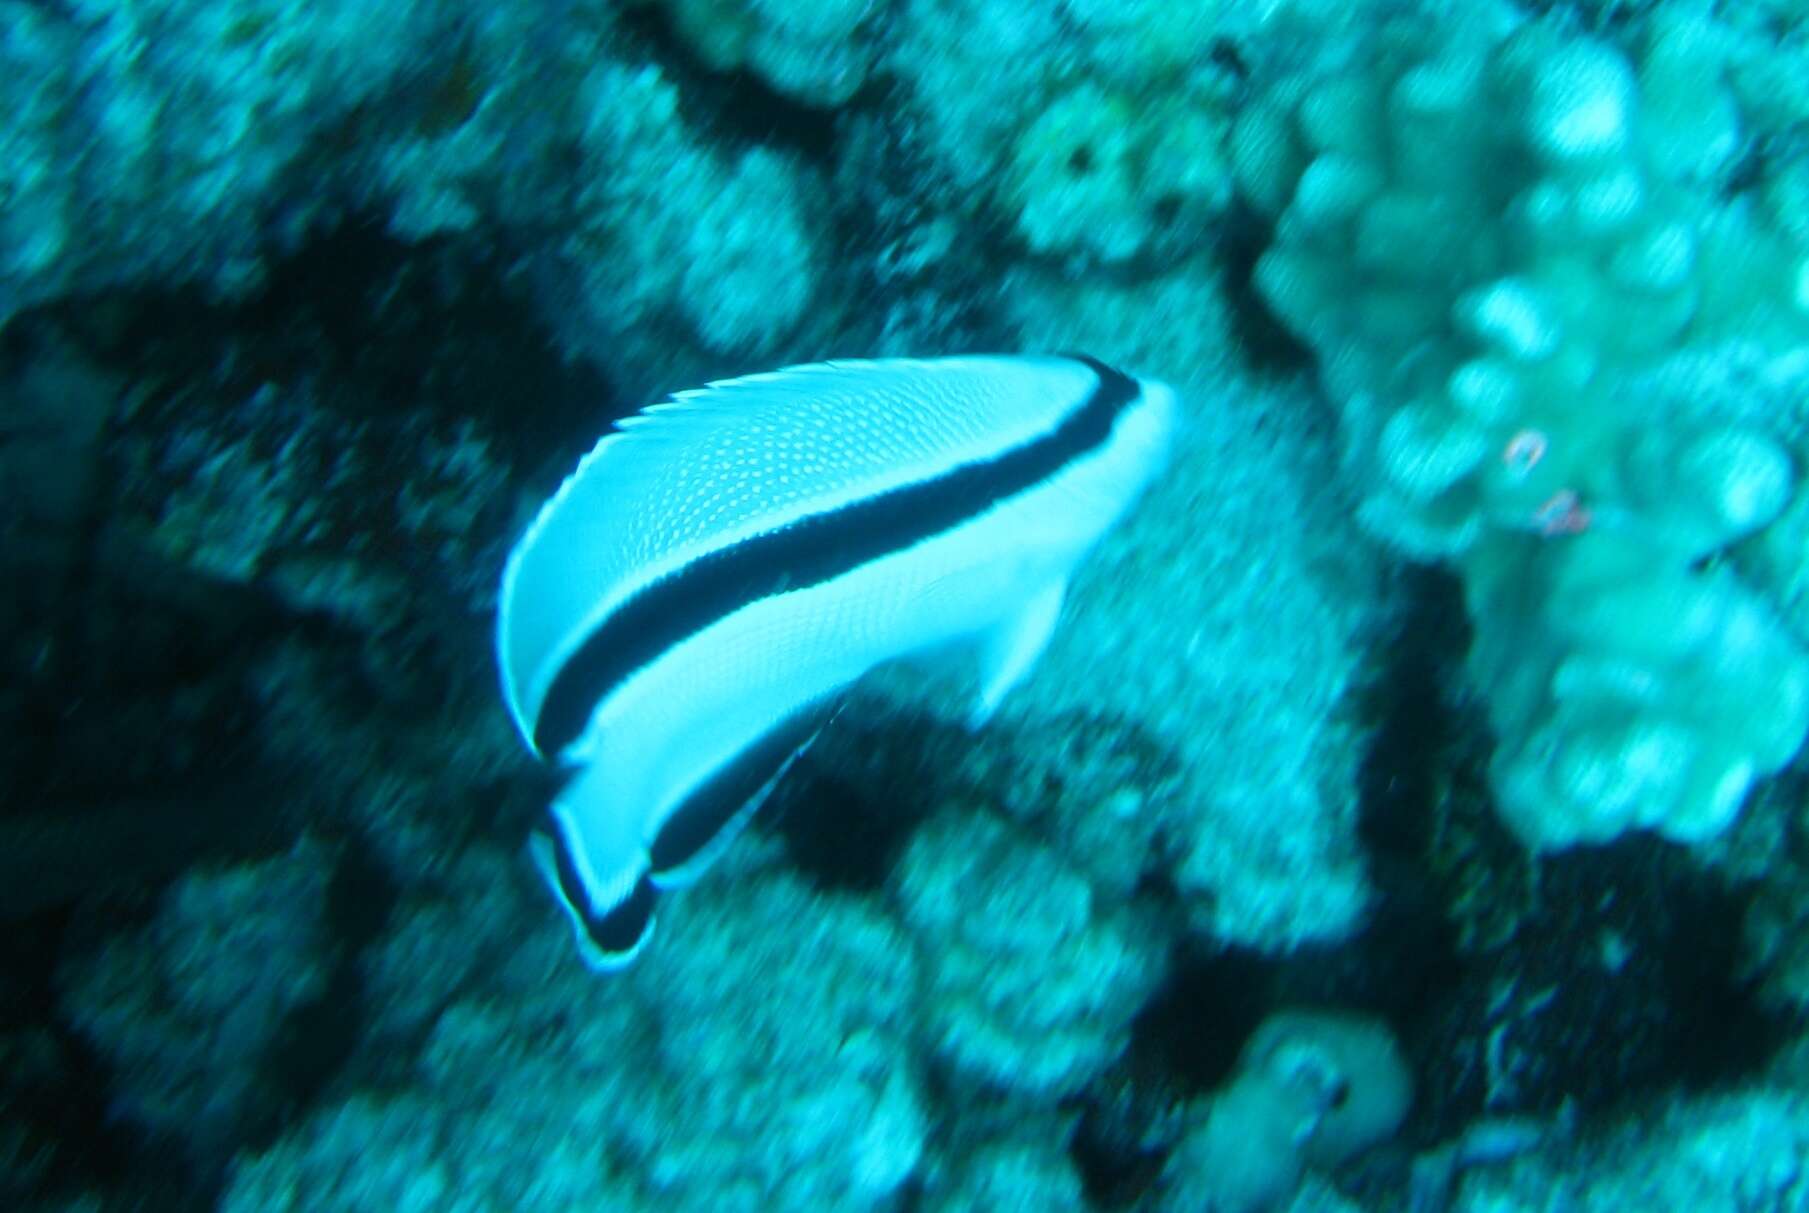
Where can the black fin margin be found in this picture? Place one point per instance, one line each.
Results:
(1115, 387)
(725, 800)
(620, 929)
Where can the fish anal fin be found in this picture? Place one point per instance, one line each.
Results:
(600, 881)
(717, 810)
(1012, 648)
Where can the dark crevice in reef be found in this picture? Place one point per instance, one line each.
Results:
(394, 328)
(1417, 734)
(1120, 1141)
(1187, 1040)
(133, 702)
(737, 105)
(1194, 1026)
(139, 678)
(56, 1091)
(1268, 348)
(1618, 979)
(1613, 20)
(840, 834)
(137, 689)
(321, 1037)
(135, 747)
(357, 354)
(882, 266)
(845, 827)
(1515, 985)
(377, 328)
(1521, 984)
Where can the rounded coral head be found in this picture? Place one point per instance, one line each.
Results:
(1342, 1071)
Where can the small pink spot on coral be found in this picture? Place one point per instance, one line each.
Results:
(1561, 514)
(1524, 451)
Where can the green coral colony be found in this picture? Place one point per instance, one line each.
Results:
(1506, 245)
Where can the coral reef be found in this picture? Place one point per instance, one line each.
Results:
(301, 305)
(817, 51)
(1495, 234)
(189, 1009)
(1739, 1152)
(720, 1076)
(1104, 175)
(1031, 987)
(1010, 1177)
(166, 141)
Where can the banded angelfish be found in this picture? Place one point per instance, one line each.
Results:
(687, 609)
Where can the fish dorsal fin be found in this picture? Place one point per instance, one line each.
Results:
(721, 464)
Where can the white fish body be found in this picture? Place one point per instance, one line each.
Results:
(686, 611)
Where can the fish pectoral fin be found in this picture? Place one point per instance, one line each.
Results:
(1012, 648)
